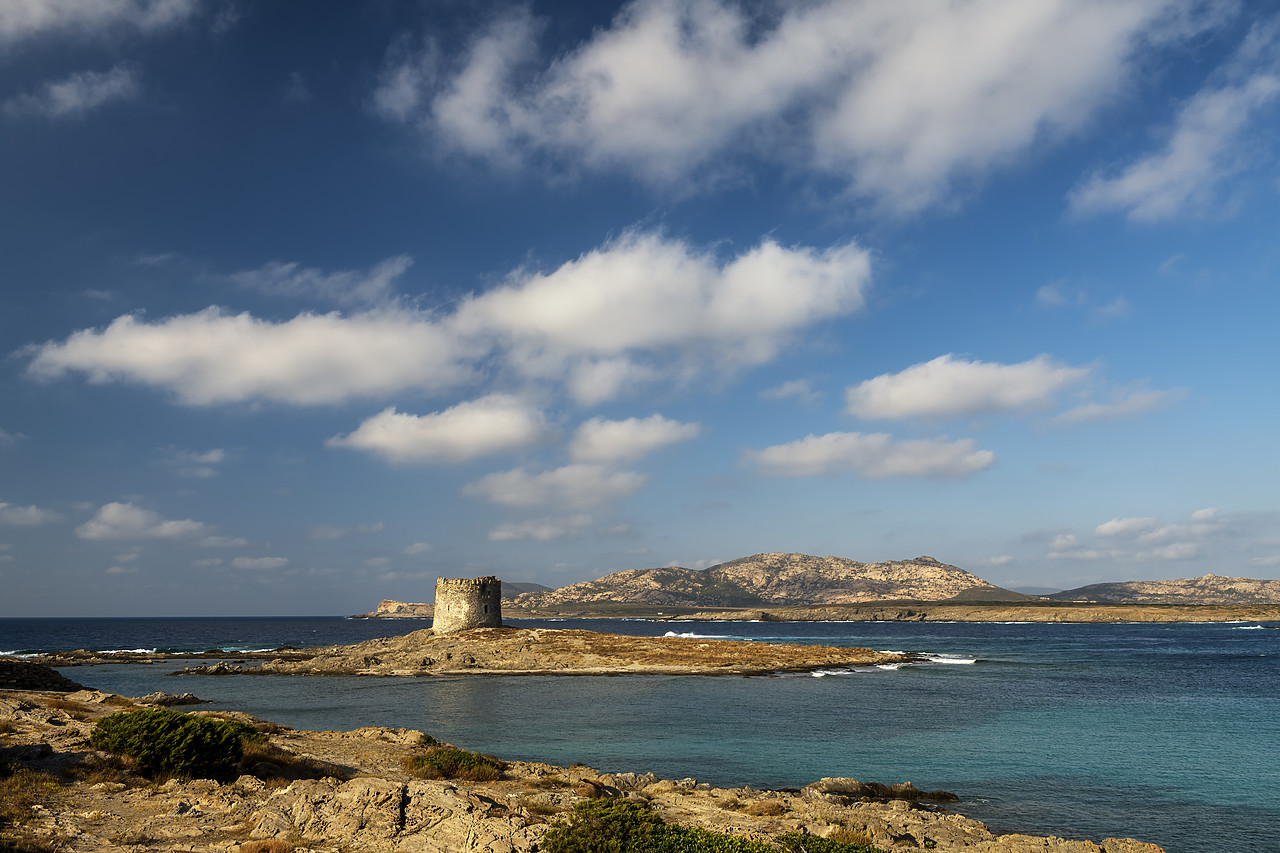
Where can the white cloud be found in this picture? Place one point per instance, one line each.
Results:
(580, 485)
(628, 440)
(647, 294)
(419, 548)
(874, 456)
(21, 19)
(347, 288)
(948, 386)
(542, 529)
(800, 389)
(1126, 527)
(8, 439)
(1147, 539)
(376, 562)
(495, 424)
(126, 521)
(598, 380)
(223, 542)
(77, 95)
(122, 570)
(258, 563)
(326, 531)
(1175, 551)
(26, 516)
(212, 357)
(638, 309)
(196, 463)
(1210, 141)
(902, 101)
(1123, 405)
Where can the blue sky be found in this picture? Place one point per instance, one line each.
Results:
(305, 304)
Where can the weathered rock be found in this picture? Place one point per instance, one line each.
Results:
(383, 810)
(25, 675)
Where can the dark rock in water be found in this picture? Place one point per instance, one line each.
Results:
(844, 790)
(25, 675)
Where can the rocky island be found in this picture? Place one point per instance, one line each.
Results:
(338, 791)
(542, 651)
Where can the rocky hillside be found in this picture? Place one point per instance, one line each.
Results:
(777, 579)
(1210, 589)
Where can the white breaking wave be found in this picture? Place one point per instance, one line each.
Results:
(1250, 628)
(951, 659)
(691, 636)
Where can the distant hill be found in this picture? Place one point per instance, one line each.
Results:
(1210, 589)
(779, 579)
(510, 589)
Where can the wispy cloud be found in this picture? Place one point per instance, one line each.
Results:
(541, 530)
(77, 95)
(1210, 141)
(346, 287)
(580, 485)
(27, 18)
(26, 516)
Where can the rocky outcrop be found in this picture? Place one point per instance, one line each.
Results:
(1210, 589)
(389, 609)
(26, 675)
(541, 651)
(775, 579)
(381, 809)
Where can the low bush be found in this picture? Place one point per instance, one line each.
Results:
(621, 826)
(449, 762)
(605, 826)
(798, 843)
(166, 743)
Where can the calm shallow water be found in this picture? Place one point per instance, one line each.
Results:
(1164, 733)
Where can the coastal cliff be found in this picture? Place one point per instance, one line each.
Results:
(79, 799)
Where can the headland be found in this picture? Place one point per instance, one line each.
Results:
(334, 791)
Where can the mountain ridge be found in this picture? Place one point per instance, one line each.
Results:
(776, 579)
(1207, 589)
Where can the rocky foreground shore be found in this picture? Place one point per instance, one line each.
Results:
(367, 802)
(542, 651)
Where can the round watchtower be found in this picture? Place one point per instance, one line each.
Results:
(464, 604)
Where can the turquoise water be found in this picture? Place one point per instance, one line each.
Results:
(1165, 733)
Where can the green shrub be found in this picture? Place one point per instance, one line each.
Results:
(448, 762)
(794, 841)
(606, 826)
(620, 826)
(165, 742)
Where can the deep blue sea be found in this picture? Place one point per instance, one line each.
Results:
(1167, 733)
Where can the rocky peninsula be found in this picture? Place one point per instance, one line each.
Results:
(547, 651)
(339, 791)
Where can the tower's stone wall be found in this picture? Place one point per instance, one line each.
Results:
(463, 604)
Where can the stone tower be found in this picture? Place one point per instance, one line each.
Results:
(464, 604)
